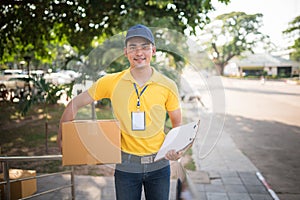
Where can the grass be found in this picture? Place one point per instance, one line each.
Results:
(19, 133)
(190, 163)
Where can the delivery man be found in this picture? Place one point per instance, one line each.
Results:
(140, 97)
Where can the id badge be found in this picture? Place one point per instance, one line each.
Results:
(138, 121)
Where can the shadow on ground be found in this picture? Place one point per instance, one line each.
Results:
(273, 147)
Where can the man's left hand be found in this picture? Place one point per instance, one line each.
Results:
(173, 155)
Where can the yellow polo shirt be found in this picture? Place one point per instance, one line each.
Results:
(161, 95)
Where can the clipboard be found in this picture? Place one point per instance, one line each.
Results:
(179, 138)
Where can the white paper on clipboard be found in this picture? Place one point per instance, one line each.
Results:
(178, 139)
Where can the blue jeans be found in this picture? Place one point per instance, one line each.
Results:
(131, 177)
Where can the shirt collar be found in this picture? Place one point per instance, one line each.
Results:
(154, 78)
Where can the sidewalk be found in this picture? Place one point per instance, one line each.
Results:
(225, 174)
(232, 176)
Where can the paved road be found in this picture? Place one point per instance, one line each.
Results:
(264, 122)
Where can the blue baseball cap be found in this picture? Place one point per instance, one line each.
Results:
(139, 30)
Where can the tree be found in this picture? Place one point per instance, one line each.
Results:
(232, 34)
(30, 26)
(294, 32)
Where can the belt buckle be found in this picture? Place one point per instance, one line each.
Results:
(147, 159)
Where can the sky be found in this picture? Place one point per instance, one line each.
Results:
(276, 15)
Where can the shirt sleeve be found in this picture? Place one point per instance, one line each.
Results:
(101, 88)
(173, 102)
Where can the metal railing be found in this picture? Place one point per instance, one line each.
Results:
(7, 182)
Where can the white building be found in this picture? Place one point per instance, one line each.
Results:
(259, 64)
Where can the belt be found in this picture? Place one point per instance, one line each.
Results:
(138, 159)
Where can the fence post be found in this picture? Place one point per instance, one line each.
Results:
(73, 183)
(6, 178)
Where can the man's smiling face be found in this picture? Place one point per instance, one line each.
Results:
(139, 52)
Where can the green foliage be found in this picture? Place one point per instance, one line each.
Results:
(238, 32)
(36, 27)
(294, 33)
(42, 92)
(190, 165)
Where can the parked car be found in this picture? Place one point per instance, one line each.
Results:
(61, 77)
(14, 78)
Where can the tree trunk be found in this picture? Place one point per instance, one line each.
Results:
(220, 69)
(46, 136)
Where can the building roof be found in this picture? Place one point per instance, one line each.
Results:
(264, 60)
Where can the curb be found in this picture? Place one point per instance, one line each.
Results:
(264, 182)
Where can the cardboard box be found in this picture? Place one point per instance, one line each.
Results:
(87, 142)
(20, 189)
